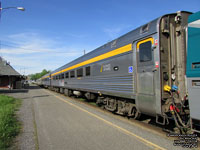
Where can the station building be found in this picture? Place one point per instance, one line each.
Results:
(9, 77)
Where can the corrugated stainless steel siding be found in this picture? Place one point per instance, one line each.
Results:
(112, 84)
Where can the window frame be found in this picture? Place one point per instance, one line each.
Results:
(73, 71)
(145, 63)
(62, 76)
(86, 71)
(67, 75)
(79, 72)
(145, 52)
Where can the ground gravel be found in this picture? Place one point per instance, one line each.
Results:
(26, 140)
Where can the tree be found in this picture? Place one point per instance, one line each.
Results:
(39, 75)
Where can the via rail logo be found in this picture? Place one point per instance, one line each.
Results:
(130, 69)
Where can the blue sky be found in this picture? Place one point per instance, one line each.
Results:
(51, 33)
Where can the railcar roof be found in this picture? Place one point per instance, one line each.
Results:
(125, 39)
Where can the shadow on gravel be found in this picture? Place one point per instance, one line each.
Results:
(40, 96)
(35, 96)
(152, 121)
(32, 87)
(14, 91)
(25, 90)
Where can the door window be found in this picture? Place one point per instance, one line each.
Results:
(145, 52)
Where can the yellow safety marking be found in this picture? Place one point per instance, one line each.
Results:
(101, 68)
(143, 41)
(115, 52)
(46, 77)
(146, 142)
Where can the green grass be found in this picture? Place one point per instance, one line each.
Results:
(9, 126)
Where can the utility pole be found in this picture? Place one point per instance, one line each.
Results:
(0, 47)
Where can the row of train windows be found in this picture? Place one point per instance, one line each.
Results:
(71, 74)
(46, 79)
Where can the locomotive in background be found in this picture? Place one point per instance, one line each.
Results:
(193, 70)
(141, 72)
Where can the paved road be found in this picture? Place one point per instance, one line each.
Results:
(66, 124)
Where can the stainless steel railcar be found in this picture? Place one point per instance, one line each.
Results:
(142, 71)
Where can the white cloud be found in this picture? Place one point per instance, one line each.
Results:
(114, 32)
(35, 53)
(80, 36)
(33, 43)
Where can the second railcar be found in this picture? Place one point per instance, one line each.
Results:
(193, 69)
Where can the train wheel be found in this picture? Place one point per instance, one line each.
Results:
(135, 114)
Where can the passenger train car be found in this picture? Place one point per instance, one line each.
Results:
(142, 71)
(193, 69)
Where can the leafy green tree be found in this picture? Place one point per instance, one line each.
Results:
(39, 75)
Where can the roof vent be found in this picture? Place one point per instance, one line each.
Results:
(144, 28)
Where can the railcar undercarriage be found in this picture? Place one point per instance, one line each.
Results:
(175, 113)
(118, 106)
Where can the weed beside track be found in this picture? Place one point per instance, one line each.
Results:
(9, 125)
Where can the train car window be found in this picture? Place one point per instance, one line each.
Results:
(80, 72)
(72, 74)
(145, 51)
(59, 76)
(67, 75)
(62, 76)
(87, 70)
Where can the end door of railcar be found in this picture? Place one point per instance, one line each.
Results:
(147, 76)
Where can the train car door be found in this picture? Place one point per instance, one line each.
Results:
(146, 101)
